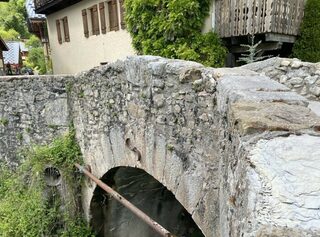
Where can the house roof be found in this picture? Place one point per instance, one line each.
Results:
(31, 11)
(3, 46)
(12, 56)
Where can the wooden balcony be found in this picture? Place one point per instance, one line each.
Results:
(245, 17)
(50, 6)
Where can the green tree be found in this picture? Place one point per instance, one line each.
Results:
(33, 42)
(172, 29)
(36, 58)
(13, 17)
(307, 47)
(9, 34)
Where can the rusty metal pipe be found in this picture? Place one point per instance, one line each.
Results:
(144, 217)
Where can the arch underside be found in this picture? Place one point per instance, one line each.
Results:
(110, 218)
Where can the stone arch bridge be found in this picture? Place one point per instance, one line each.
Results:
(238, 150)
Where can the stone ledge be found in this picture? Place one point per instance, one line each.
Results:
(219, 73)
(253, 117)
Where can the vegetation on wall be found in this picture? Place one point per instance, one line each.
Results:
(29, 207)
(307, 47)
(172, 29)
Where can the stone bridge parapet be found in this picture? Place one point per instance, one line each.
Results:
(238, 150)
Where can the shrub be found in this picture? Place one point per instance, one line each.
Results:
(26, 206)
(307, 47)
(36, 58)
(172, 29)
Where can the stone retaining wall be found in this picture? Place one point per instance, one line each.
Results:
(33, 110)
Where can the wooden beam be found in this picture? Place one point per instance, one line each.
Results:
(280, 38)
(263, 46)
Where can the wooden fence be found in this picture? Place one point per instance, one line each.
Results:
(244, 17)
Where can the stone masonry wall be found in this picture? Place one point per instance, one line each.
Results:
(33, 110)
(239, 150)
(301, 77)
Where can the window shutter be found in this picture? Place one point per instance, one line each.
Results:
(85, 23)
(102, 18)
(122, 12)
(59, 31)
(95, 20)
(113, 15)
(66, 29)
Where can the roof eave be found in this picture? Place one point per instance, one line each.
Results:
(54, 6)
(3, 45)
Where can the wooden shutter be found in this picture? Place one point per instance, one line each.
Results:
(113, 15)
(85, 23)
(59, 31)
(66, 29)
(102, 18)
(122, 14)
(95, 20)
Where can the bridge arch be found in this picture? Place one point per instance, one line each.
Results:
(163, 126)
(109, 218)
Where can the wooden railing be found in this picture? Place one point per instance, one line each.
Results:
(244, 17)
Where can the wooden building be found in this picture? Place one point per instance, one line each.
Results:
(13, 56)
(3, 47)
(275, 22)
(37, 25)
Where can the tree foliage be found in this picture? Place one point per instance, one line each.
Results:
(36, 58)
(10, 34)
(307, 47)
(12, 17)
(172, 29)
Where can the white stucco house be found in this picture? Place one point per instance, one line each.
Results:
(84, 34)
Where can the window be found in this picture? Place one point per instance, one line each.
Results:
(94, 18)
(102, 18)
(107, 16)
(85, 23)
(91, 23)
(113, 15)
(63, 36)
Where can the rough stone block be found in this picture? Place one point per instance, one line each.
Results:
(257, 83)
(253, 117)
(285, 183)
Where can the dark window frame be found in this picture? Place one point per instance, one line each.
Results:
(64, 28)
